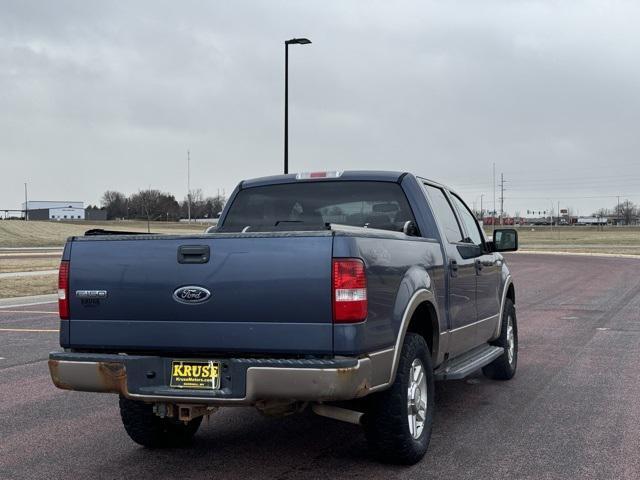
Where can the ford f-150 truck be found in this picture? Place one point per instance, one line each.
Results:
(346, 292)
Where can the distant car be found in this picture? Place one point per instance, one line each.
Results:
(315, 289)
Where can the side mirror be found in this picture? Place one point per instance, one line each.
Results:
(505, 240)
(469, 251)
(409, 228)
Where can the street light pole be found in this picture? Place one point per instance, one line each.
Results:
(296, 41)
(286, 107)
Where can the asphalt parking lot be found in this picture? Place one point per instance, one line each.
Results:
(573, 410)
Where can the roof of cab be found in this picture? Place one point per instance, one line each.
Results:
(370, 175)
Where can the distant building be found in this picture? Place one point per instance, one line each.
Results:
(52, 210)
(95, 213)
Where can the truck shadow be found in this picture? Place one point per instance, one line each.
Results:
(241, 443)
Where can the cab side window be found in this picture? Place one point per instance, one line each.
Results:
(444, 212)
(469, 221)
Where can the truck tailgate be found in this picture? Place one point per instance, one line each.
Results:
(269, 293)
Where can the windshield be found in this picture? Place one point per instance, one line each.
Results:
(313, 205)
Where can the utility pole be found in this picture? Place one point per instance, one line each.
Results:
(618, 211)
(26, 203)
(494, 193)
(501, 197)
(481, 214)
(189, 185)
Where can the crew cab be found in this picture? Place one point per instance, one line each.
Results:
(349, 293)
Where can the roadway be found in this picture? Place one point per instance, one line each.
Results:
(573, 410)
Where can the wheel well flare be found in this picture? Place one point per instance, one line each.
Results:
(424, 322)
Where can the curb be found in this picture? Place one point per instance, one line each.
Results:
(35, 273)
(27, 249)
(27, 301)
(18, 255)
(577, 254)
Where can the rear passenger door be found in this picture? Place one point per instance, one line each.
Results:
(461, 272)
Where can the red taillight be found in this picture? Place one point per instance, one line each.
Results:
(349, 290)
(63, 290)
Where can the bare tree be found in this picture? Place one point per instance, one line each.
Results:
(147, 204)
(628, 211)
(115, 203)
(150, 204)
(149, 201)
(214, 206)
(201, 207)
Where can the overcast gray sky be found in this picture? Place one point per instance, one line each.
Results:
(110, 95)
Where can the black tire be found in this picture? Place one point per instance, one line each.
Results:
(504, 367)
(386, 423)
(147, 429)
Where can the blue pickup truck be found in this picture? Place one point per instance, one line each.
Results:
(349, 293)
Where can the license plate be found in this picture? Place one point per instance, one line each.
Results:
(198, 374)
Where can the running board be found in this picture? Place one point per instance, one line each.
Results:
(467, 363)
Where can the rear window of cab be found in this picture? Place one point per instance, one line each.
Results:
(313, 205)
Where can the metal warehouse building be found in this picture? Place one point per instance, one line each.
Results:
(51, 210)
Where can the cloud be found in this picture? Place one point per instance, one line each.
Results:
(98, 95)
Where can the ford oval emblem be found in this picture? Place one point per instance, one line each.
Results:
(191, 295)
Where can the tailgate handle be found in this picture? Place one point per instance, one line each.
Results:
(193, 254)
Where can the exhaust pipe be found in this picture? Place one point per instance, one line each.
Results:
(337, 413)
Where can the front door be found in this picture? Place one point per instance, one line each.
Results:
(487, 270)
(461, 272)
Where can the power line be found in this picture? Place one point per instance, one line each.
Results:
(548, 197)
(527, 180)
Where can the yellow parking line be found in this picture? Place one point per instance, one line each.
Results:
(31, 330)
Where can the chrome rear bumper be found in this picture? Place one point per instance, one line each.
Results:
(245, 381)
